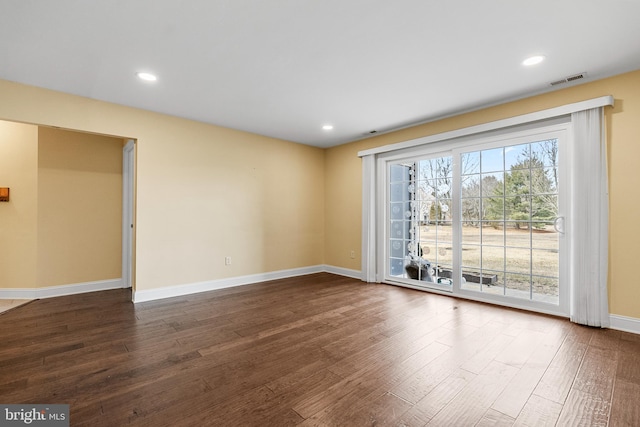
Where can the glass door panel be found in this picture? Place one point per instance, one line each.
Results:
(420, 225)
(400, 217)
(508, 204)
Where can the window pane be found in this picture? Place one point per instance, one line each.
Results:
(517, 182)
(397, 210)
(398, 192)
(396, 267)
(444, 274)
(444, 209)
(400, 229)
(518, 285)
(470, 232)
(543, 181)
(518, 209)
(471, 186)
(545, 152)
(544, 208)
(545, 263)
(545, 289)
(445, 231)
(470, 163)
(518, 235)
(471, 256)
(443, 188)
(471, 210)
(516, 157)
(552, 175)
(492, 208)
(493, 257)
(518, 260)
(444, 254)
(435, 168)
(493, 184)
(428, 189)
(471, 280)
(428, 232)
(398, 173)
(545, 238)
(429, 250)
(492, 160)
(492, 282)
(492, 233)
(397, 248)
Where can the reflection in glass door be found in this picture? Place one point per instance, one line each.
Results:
(509, 206)
(420, 227)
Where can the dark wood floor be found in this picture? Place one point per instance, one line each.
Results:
(320, 350)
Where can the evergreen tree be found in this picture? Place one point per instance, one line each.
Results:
(528, 194)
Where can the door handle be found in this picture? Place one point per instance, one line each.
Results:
(558, 224)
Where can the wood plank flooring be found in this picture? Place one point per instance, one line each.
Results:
(10, 304)
(318, 350)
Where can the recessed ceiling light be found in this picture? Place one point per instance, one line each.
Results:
(327, 127)
(148, 77)
(533, 60)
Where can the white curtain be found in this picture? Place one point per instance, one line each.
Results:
(589, 219)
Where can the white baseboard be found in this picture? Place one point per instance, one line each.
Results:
(626, 324)
(620, 323)
(354, 274)
(212, 285)
(58, 291)
(171, 291)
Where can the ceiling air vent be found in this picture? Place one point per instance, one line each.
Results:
(569, 79)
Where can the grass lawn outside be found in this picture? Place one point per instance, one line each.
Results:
(523, 260)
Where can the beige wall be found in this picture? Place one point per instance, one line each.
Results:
(344, 182)
(18, 217)
(343, 199)
(79, 207)
(203, 192)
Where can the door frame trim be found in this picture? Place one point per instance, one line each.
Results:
(128, 205)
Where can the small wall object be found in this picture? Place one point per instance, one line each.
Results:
(4, 194)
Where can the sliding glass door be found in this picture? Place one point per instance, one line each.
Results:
(510, 214)
(483, 220)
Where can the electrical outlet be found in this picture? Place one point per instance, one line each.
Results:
(227, 260)
(353, 253)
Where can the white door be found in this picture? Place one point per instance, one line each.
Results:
(128, 177)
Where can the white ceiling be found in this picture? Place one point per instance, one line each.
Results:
(284, 68)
